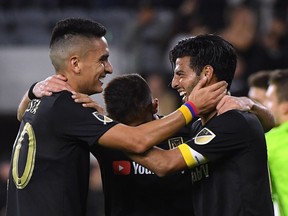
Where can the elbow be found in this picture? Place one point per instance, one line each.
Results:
(140, 145)
(138, 149)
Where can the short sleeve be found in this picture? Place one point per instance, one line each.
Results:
(71, 119)
(225, 134)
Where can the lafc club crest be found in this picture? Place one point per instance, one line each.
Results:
(174, 142)
(204, 136)
(102, 118)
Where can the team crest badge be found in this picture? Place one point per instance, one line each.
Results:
(174, 142)
(204, 136)
(102, 118)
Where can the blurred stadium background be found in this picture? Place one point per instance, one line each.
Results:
(258, 31)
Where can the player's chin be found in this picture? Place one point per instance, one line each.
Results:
(96, 90)
(99, 89)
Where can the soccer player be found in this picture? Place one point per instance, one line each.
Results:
(129, 188)
(50, 159)
(277, 102)
(227, 152)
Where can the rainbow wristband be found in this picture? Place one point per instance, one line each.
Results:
(189, 111)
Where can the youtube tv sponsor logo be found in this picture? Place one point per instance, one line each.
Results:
(121, 167)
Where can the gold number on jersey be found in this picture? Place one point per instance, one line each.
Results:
(22, 181)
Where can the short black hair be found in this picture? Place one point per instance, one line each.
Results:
(77, 26)
(127, 98)
(207, 49)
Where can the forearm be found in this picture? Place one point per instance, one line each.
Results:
(139, 139)
(159, 130)
(28, 96)
(247, 104)
(143, 137)
(165, 162)
(165, 127)
(264, 115)
(23, 106)
(161, 162)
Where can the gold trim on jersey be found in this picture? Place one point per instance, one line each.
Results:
(22, 181)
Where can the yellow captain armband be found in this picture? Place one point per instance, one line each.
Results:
(192, 158)
(189, 111)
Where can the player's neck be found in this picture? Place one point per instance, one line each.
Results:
(206, 117)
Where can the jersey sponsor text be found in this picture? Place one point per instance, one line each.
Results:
(138, 169)
(200, 172)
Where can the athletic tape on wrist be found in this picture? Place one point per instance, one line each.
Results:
(185, 151)
(31, 95)
(189, 111)
(192, 158)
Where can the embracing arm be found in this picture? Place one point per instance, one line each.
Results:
(52, 84)
(264, 115)
(246, 104)
(161, 162)
(165, 162)
(141, 138)
(46, 87)
(23, 106)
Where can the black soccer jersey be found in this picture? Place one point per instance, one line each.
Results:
(132, 190)
(50, 161)
(235, 182)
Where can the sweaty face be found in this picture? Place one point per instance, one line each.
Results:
(185, 78)
(94, 66)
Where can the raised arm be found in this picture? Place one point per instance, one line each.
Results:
(246, 104)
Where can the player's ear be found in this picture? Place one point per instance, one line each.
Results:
(208, 71)
(74, 63)
(155, 105)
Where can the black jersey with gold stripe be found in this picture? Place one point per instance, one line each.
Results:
(235, 180)
(49, 172)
